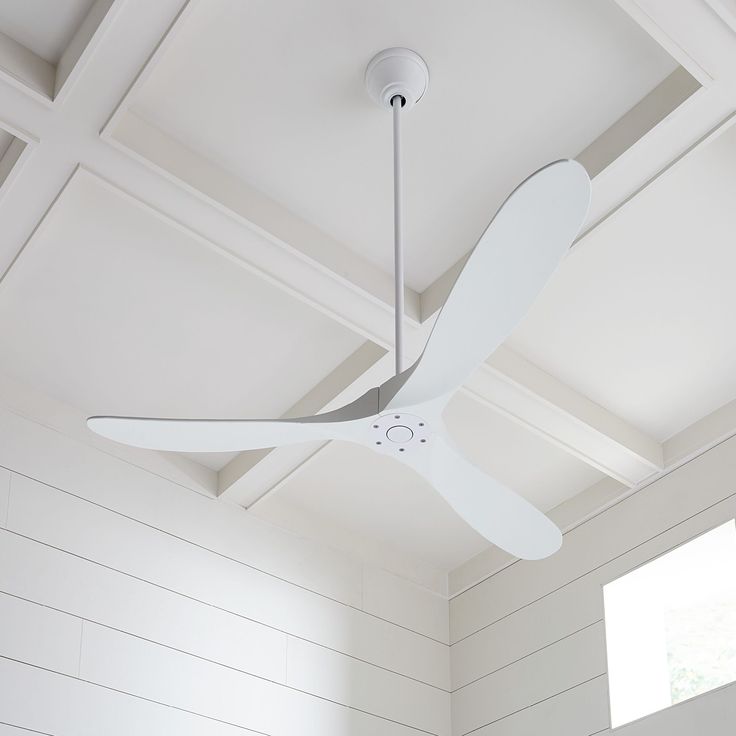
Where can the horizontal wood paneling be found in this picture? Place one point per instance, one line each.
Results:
(337, 677)
(569, 608)
(151, 671)
(552, 670)
(599, 540)
(388, 596)
(580, 711)
(59, 705)
(89, 591)
(38, 635)
(88, 530)
(103, 596)
(528, 630)
(34, 633)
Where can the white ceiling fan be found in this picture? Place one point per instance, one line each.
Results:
(511, 263)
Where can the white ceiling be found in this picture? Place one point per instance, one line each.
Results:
(43, 26)
(114, 310)
(640, 316)
(282, 105)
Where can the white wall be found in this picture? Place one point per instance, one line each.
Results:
(528, 648)
(132, 605)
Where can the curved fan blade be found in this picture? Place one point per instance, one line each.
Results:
(231, 435)
(207, 435)
(500, 515)
(509, 266)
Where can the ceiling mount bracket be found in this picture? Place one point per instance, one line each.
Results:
(396, 72)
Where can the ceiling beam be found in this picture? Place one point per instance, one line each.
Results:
(696, 33)
(517, 388)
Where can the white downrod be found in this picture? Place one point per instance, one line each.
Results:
(396, 103)
(397, 78)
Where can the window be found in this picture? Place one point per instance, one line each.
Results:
(671, 626)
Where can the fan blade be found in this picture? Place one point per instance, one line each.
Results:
(231, 435)
(500, 515)
(513, 260)
(207, 435)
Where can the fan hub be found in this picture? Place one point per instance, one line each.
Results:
(399, 433)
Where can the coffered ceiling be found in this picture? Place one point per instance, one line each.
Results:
(195, 200)
(293, 120)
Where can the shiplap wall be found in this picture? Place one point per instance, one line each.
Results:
(528, 646)
(132, 605)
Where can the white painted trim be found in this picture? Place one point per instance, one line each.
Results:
(79, 52)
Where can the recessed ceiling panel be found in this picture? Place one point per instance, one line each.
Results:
(640, 317)
(274, 93)
(375, 497)
(113, 310)
(42, 26)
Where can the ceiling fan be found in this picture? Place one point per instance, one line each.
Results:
(509, 266)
